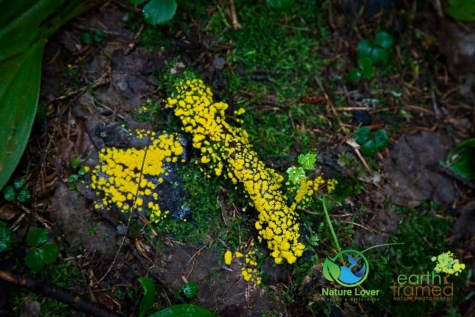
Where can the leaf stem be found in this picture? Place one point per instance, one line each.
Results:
(335, 239)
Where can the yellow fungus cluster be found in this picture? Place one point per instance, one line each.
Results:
(306, 188)
(228, 257)
(249, 269)
(127, 178)
(250, 272)
(226, 150)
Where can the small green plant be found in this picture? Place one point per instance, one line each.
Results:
(42, 253)
(371, 143)
(183, 310)
(306, 162)
(371, 54)
(89, 37)
(190, 290)
(157, 11)
(80, 172)
(5, 237)
(18, 191)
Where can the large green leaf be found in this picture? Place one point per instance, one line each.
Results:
(461, 159)
(19, 90)
(184, 310)
(148, 295)
(20, 24)
(23, 33)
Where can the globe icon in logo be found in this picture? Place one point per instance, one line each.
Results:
(352, 274)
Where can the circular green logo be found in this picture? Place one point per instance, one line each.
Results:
(353, 273)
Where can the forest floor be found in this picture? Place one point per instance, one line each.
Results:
(289, 71)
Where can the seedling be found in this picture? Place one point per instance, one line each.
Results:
(157, 11)
(371, 54)
(89, 37)
(80, 172)
(371, 143)
(306, 162)
(190, 290)
(19, 191)
(42, 253)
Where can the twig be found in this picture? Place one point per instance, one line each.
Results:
(44, 289)
(234, 18)
(329, 102)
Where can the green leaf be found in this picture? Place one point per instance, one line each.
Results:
(295, 174)
(149, 295)
(86, 38)
(75, 162)
(184, 310)
(366, 65)
(381, 139)
(331, 270)
(190, 290)
(159, 11)
(462, 10)
(364, 48)
(18, 183)
(49, 252)
(34, 260)
(355, 74)
(73, 178)
(280, 4)
(379, 56)
(307, 161)
(368, 72)
(20, 25)
(461, 159)
(23, 33)
(369, 148)
(384, 39)
(5, 238)
(19, 90)
(365, 62)
(82, 171)
(362, 135)
(99, 35)
(37, 237)
(23, 195)
(9, 193)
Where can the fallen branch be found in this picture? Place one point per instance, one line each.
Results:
(41, 288)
